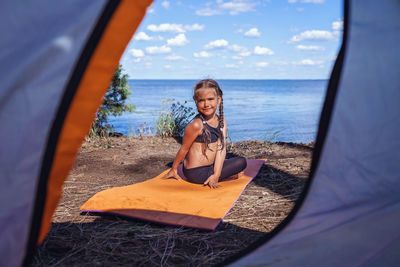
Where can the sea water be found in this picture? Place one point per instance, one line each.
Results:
(274, 110)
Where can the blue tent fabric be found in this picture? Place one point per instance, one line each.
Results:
(40, 43)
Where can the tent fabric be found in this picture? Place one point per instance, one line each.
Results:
(351, 212)
(89, 96)
(36, 65)
(55, 56)
(174, 202)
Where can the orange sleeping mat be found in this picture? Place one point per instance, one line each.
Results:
(173, 202)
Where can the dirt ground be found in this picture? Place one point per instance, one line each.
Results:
(83, 240)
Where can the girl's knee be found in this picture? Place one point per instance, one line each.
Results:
(242, 163)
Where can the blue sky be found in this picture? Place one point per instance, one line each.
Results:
(236, 39)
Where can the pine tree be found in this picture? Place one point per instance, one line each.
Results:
(114, 103)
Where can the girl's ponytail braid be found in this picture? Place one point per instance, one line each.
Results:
(221, 116)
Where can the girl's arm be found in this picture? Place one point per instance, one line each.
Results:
(212, 181)
(191, 132)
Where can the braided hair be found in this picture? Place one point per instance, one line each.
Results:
(206, 135)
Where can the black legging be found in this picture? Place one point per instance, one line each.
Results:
(230, 167)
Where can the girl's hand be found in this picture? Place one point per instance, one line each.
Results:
(172, 174)
(212, 182)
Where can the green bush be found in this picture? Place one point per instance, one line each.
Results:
(182, 115)
(173, 118)
(114, 103)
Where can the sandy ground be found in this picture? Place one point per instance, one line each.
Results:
(82, 240)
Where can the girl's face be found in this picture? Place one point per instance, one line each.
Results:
(207, 101)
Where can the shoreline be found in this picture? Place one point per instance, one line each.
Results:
(119, 135)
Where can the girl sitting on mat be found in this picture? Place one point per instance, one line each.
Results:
(203, 147)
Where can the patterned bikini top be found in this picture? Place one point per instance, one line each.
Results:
(215, 133)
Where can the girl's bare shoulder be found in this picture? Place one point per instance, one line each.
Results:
(195, 126)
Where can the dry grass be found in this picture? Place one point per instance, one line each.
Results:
(76, 240)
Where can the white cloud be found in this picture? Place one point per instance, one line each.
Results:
(202, 54)
(241, 50)
(216, 44)
(258, 50)
(179, 40)
(337, 25)
(262, 64)
(194, 27)
(166, 27)
(307, 1)
(237, 6)
(310, 47)
(136, 53)
(236, 57)
(245, 53)
(142, 36)
(208, 12)
(174, 57)
(167, 67)
(177, 28)
(308, 62)
(231, 66)
(313, 35)
(253, 32)
(165, 4)
(237, 48)
(158, 49)
(233, 7)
